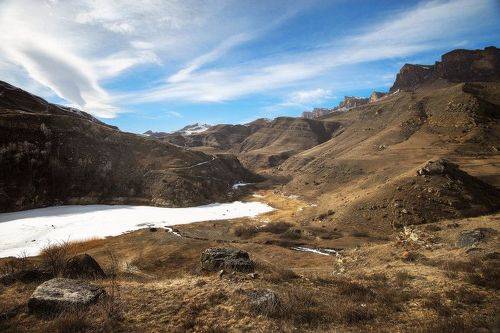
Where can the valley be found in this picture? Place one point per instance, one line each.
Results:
(381, 214)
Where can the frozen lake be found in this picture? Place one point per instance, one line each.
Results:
(30, 230)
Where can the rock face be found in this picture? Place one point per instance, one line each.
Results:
(470, 65)
(316, 113)
(83, 266)
(350, 102)
(55, 155)
(214, 259)
(455, 66)
(411, 76)
(59, 294)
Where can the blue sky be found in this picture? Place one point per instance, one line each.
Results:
(162, 64)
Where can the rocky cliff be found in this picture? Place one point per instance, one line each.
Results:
(455, 66)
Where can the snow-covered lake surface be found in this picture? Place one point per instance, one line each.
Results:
(27, 232)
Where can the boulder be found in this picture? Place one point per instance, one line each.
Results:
(438, 167)
(473, 237)
(60, 293)
(214, 259)
(264, 301)
(83, 266)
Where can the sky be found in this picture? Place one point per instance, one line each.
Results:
(162, 64)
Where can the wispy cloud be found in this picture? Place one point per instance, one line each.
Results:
(76, 47)
(174, 114)
(72, 46)
(425, 27)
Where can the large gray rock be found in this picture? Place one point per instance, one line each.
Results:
(83, 266)
(60, 294)
(214, 259)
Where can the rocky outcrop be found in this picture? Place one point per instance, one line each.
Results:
(83, 266)
(411, 76)
(61, 294)
(350, 102)
(214, 259)
(470, 65)
(376, 95)
(455, 66)
(316, 113)
(438, 167)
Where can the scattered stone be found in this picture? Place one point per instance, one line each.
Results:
(213, 259)
(253, 275)
(60, 293)
(221, 273)
(438, 167)
(152, 229)
(25, 276)
(83, 266)
(404, 211)
(264, 302)
(473, 237)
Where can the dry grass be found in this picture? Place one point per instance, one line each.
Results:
(71, 322)
(274, 273)
(246, 231)
(54, 256)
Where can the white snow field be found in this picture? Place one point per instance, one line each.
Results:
(29, 231)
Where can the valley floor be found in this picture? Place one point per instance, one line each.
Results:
(415, 279)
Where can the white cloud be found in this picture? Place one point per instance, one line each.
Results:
(427, 26)
(174, 114)
(76, 47)
(309, 96)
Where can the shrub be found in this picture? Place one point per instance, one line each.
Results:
(276, 227)
(245, 231)
(54, 257)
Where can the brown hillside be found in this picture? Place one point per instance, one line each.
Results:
(53, 155)
(282, 138)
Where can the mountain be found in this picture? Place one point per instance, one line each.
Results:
(283, 137)
(186, 130)
(367, 171)
(218, 138)
(51, 155)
